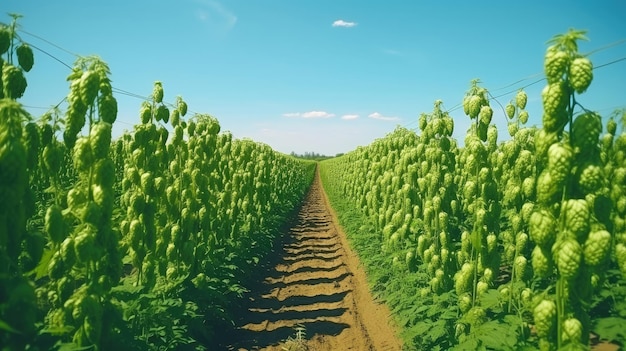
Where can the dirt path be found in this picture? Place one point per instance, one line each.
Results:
(317, 283)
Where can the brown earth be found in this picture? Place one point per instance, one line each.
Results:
(317, 285)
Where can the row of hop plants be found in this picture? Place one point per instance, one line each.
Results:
(520, 232)
(103, 240)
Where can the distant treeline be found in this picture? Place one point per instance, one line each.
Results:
(313, 156)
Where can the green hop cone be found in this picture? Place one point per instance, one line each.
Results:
(555, 97)
(541, 262)
(100, 139)
(13, 81)
(523, 117)
(577, 216)
(580, 74)
(145, 112)
(107, 108)
(572, 330)
(157, 92)
(485, 114)
(510, 110)
(182, 107)
(611, 126)
(83, 154)
(5, 39)
(25, 57)
(586, 130)
(560, 159)
(474, 106)
(555, 64)
(597, 247)
(520, 99)
(568, 257)
(542, 227)
(53, 224)
(545, 318)
(89, 85)
(590, 178)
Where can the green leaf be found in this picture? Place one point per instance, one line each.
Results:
(610, 328)
(5, 326)
(42, 268)
(490, 299)
(73, 347)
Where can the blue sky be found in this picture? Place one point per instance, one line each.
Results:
(323, 76)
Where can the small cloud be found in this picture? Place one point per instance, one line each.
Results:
(342, 23)
(379, 116)
(349, 117)
(214, 14)
(317, 114)
(310, 114)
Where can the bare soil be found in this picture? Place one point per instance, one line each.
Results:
(317, 284)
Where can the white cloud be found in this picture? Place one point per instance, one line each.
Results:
(379, 116)
(349, 117)
(310, 114)
(317, 114)
(214, 14)
(342, 23)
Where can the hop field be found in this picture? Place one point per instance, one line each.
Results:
(488, 244)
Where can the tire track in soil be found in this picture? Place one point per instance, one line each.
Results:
(316, 283)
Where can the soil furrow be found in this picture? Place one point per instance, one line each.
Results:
(318, 285)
